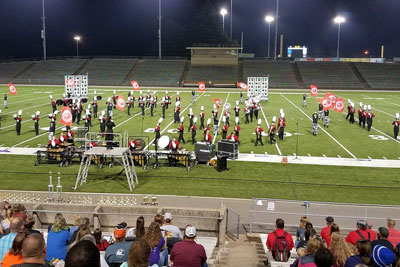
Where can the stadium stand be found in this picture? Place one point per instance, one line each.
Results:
(329, 75)
(11, 69)
(212, 74)
(50, 71)
(380, 76)
(108, 71)
(156, 73)
(281, 74)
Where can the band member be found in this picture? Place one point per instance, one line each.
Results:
(5, 101)
(304, 100)
(237, 109)
(364, 116)
(176, 112)
(114, 99)
(396, 124)
(129, 105)
(168, 99)
(148, 98)
(18, 119)
(193, 95)
(155, 98)
(53, 103)
(62, 138)
(36, 119)
(208, 127)
(246, 113)
(360, 114)
(79, 110)
(95, 105)
(181, 131)
(237, 127)
(89, 114)
(320, 111)
(272, 131)
(256, 107)
(102, 120)
(224, 129)
(370, 117)
(173, 145)
(259, 132)
(0, 118)
(191, 116)
(202, 115)
(227, 115)
(207, 137)
(250, 107)
(133, 145)
(326, 118)
(281, 125)
(348, 108)
(157, 131)
(163, 106)
(133, 99)
(70, 136)
(178, 97)
(110, 132)
(53, 120)
(352, 112)
(53, 143)
(86, 118)
(233, 137)
(241, 97)
(194, 129)
(314, 123)
(141, 102)
(215, 117)
(152, 105)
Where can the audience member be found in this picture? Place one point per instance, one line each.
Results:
(360, 233)
(19, 211)
(139, 254)
(313, 245)
(14, 255)
(81, 233)
(188, 252)
(280, 238)
(91, 238)
(29, 223)
(82, 222)
(363, 252)
(159, 219)
(117, 253)
(172, 232)
(340, 249)
(5, 207)
(139, 230)
(33, 251)
(310, 232)
(5, 224)
(371, 232)
(101, 243)
(301, 229)
(382, 256)
(83, 253)
(382, 240)
(323, 258)
(75, 227)
(326, 231)
(153, 236)
(57, 239)
(6, 242)
(394, 235)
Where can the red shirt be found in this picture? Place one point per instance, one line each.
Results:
(372, 234)
(326, 234)
(280, 232)
(207, 138)
(234, 137)
(194, 128)
(188, 253)
(394, 236)
(353, 236)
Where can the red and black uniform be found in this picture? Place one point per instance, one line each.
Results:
(163, 106)
(178, 98)
(114, 98)
(236, 109)
(352, 112)
(79, 113)
(202, 114)
(133, 101)
(233, 138)
(133, 145)
(215, 116)
(348, 111)
(191, 116)
(227, 115)
(370, 117)
(36, 120)
(173, 146)
(224, 131)
(396, 124)
(281, 127)
(176, 114)
(62, 139)
(18, 120)
(255, 110)
(129, 106)
(207, 129)
(54, 143)
(246, 113)
(53, 105)
(168, 101)
(157, 133)
(148, 97)
(361, 116)
(141, 103)
(181, 130)
(207, 138)
(271, 132)
(259, 132)
(193, 129)
(237, 130)
(70, 137)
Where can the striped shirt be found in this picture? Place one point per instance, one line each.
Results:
(394, 236)
(5, 244)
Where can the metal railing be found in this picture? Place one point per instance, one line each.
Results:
(232, 223)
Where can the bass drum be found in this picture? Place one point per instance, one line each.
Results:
(163, 142)
(141, 144)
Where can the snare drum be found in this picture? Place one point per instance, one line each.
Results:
(163, 142)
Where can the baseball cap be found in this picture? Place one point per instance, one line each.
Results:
(384, 231)
(119, 233)
(168, 216)
(190, 231)
(329, 219)
(122, 225)
(382, 256)
(362, 224)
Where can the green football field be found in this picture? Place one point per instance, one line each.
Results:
(244, 179)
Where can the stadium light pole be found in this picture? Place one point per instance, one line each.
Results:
(276, 29)
(44, 32)
(223, 12)
(159, 29)
(77, 39)
(231, 19)
(269, 19)
(339, 20)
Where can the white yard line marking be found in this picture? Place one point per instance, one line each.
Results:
(266, 121)
(384, 112)
(13, 125)
(333, 138)
(36, 137)
(29, 99)
(388, 102)
(220, 117)
(27, 108)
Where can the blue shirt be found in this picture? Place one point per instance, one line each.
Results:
(5, 244)
(57, 245)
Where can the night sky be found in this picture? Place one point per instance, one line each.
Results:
(129, 27)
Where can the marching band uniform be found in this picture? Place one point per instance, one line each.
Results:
(304, 100)
(256, 106)
(163, 106)
(259, 132)
(360, 114)
(227, 116)
(272, 131)
(320, 111)
(194, 129)
(348, 109)
(202, 114)
(73, 111)
(396, 124)
(5, 101)
(246, 113)
(141, 102)
(152, 104)
(132, 144)
(326, 118)
(62, 139)
(86, 118)
(237, 127)
(129, 105)
(148, 97)
(216, 121)
(237, 109)
(207, 128)
(176, 112)
(233, 138)
(36, 119)
(157, 133)
(251, 112)
(207, 137)
(241, 97)
(181, 131)
(114, 98)
(109, 107)
(281, 125)
(133, 100)
(70, 136)
(53, 104)
(155, 99)
(314, 123)
(18, 120)
(370, 117)
(191, 116)
(173, 145)
(94, 104)
(168, 99)
(224, 131)
(193, 95)
(178, 98)
(102, 120)
(109, 136)
(89, 115)
(79, 112)
(364, 116)
(352, 111)
(54, 143)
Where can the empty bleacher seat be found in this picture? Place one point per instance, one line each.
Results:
(159, 72)
(380, 76)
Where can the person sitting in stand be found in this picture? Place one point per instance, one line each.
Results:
(233, 137)
(53, 143)
(133, 144)
(173, 145)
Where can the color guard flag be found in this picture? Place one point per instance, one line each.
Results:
(120, 103)
(135, 85)
(314, 90)
(217, 101)
(70, 82)
(66, 116)
(326, 103)
(339, 105)
(243, 86)
(202, 86)
(13, 90)
(331, 96)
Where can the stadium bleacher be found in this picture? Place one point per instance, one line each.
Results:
(156, 72)
(213, 74)
(281, 74)
(380, 76)
(329, 75)
(10, 69)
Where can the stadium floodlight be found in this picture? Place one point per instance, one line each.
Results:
(269, 19)
(223, 12)
(77, 39)
(338, 20)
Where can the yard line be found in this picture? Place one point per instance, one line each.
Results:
(35, 137)
(276, 143)
(27, 108)
(29, 99)
(389, 102)
(165, 128)
(220, 117)
(391, 115)
(333, 138)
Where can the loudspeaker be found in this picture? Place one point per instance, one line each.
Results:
(222, 163)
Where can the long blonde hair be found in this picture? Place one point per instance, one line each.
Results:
(313, 244)
(303, 221)
(340, 249)
(59, 224)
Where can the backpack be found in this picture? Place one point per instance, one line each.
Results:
(306, 261)
(362, 237)
(280, 247)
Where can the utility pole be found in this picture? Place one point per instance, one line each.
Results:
(159, 29)
(44, 32)
(276, 29)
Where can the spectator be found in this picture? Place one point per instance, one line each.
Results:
(139, 254)
(188, 252)
(326, 231)
(82, 222)
(372, 232)
(394, 235)
(334, 229)
(382, 240)
(19, 211)
(6, 242)
(5, 207)
(301, 229)
(91, 238)
(340, 249)
(307, 235)
(29, 223)
(139, 230)
(14, 255)
(275, 238)
(57, 239)
(81, 233)
(101, 243)
(382, 256)
(172, 232)
(153, 236)
(75, 227)
(313, 245)
(323, 258)
(159, 219)
(5, 224)
(33, 251)
(83, 253)
(117, 253)
(360, 233)
(309, 225)
(363, 252)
